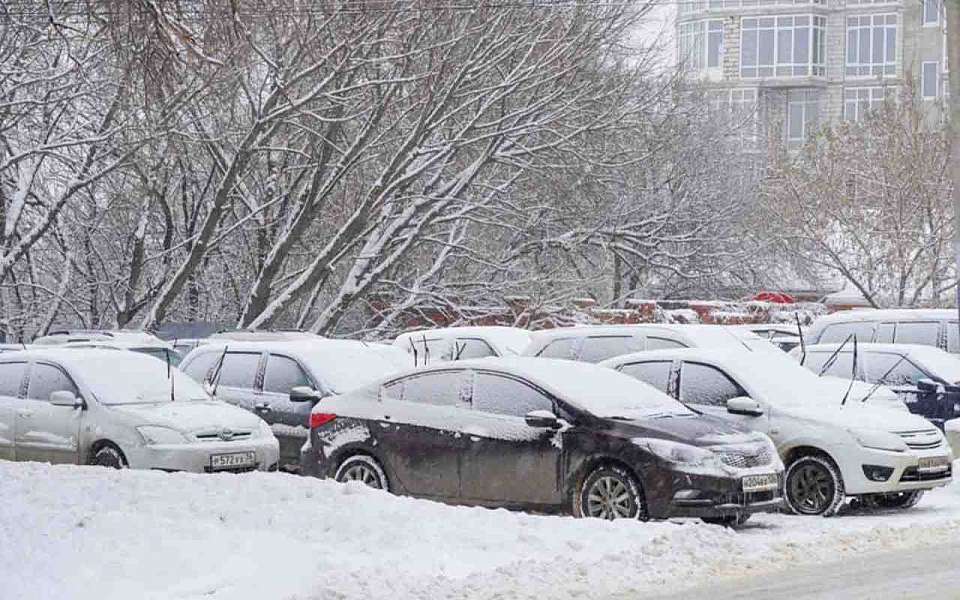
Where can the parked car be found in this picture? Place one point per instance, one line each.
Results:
(542, 434)
(782, 335)
(184, 346)
(831, 450)
(925, 378)
(122, 339)
(462, 343)
(122, 409)
(597, 343)
(927, 327)
(281, 380)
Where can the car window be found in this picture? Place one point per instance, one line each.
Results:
(507, 396)
(200, 365)
(838, 332)
(282, 374)
(443, 388)
(842, 365)
(904, 372)
(11, 378)
(703, 384)
(596, 349)
(563, 348)
(656, 343)
(953, 337)
(473, 348)
(429, 349)
(885, 333)
(925, 333)
(46, 379)
(655, 373)
(239, 369)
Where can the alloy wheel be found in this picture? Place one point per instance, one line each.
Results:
(811, 489)
(362, 473)
(609, 498)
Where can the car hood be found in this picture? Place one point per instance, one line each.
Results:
(190, 416)
(857, 415)
(698, 430)
(880, 396)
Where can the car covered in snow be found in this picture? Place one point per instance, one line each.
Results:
(782, 335)
(280, 377)
(926, 378)
(595, 343)
(927, 327)
(542, 434)
(462, 343)
(115, 408)
(832, 449)
(120, 339)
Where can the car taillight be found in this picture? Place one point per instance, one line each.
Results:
(318, 419)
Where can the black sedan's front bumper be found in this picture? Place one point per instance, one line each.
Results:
(684, 494)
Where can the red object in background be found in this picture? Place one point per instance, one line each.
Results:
(775, 298)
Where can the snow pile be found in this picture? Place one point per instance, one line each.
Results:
(87, 533)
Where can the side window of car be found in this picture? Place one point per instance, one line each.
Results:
(838, 332)
(655, 373)
(200, 366)
(885, 333)
(703, 384)
(925, 333)
(282, 374)
(953, 337)
(46, 379)
(239, 370)
(473, 348)
(657, 343)
(563, 348)
(507, 396)
(892, 369)
(596, 349)
(442, 388)
(11, 378)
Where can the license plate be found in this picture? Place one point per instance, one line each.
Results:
(760, 483)
(234, 460)
(933, 464)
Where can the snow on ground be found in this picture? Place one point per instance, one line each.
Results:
(87, 533)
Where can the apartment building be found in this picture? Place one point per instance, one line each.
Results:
(796, 64)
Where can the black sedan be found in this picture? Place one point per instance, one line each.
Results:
(542, 434)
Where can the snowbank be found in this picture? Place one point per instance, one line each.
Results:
(87, 533)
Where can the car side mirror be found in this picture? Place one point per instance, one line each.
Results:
(542, 419)
(742, 405)
(303, 393)
(929, 385)
(65, 398)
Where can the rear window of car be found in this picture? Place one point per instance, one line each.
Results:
(838, 332)
(924, 333)
(596, 349)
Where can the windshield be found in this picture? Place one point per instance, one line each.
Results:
(940, 363)
(134, 379)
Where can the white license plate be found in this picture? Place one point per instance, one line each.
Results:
(234, 460)
(760, 483)
(934, 464)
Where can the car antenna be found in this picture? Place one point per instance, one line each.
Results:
(833, 357)
(215, 380)
(853, 374)
(413, 346)
(884, 378)
(426, 351)
(803, 343)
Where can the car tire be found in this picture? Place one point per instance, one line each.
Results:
(109, 456)
(610, 492)
(363, 469)
(813, 486)
(728, 521)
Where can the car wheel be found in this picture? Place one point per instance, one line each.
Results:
(813, 486)
(901, 500)
(610, 492)
(728, 521)
(109, 456)
(364, 469)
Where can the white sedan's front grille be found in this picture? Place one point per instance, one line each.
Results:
(223, 435)
(921, 439)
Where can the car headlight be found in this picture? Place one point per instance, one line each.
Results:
(154, 435)
(265, 429)
(679, 454)
(879, 440)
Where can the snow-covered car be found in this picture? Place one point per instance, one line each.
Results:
(926, 379)
(122, 409)
(831, 450)
(462, 343)
(927, 327)
(543, 434)
(782, 335)
(595, 343)
(120, 339)
(280, 380)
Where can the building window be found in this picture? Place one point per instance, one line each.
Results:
(931, 12)
(859, 101)
(791, 46)
(701, 44)
(721, 4)
(803, 114)
(737, 110)
(853, 2)
(691, 6)
(930, 81)
(872, 45)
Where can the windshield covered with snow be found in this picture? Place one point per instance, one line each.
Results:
(133, 378)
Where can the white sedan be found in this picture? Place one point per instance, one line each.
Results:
(122, 409)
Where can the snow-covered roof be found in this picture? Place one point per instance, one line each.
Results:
(700, 335)
(121, 338)
(888, 314)
(505, 339)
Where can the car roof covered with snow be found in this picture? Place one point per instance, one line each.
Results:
(697, 334)
(506, 340)
(122, 338)
(887, 314)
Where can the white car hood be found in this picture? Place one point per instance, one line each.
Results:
(857, 415)
(191, 416)
(881, 396)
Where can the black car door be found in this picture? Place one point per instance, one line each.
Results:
(421, 431)
(505, 461)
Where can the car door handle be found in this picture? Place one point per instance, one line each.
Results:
(263, 407)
